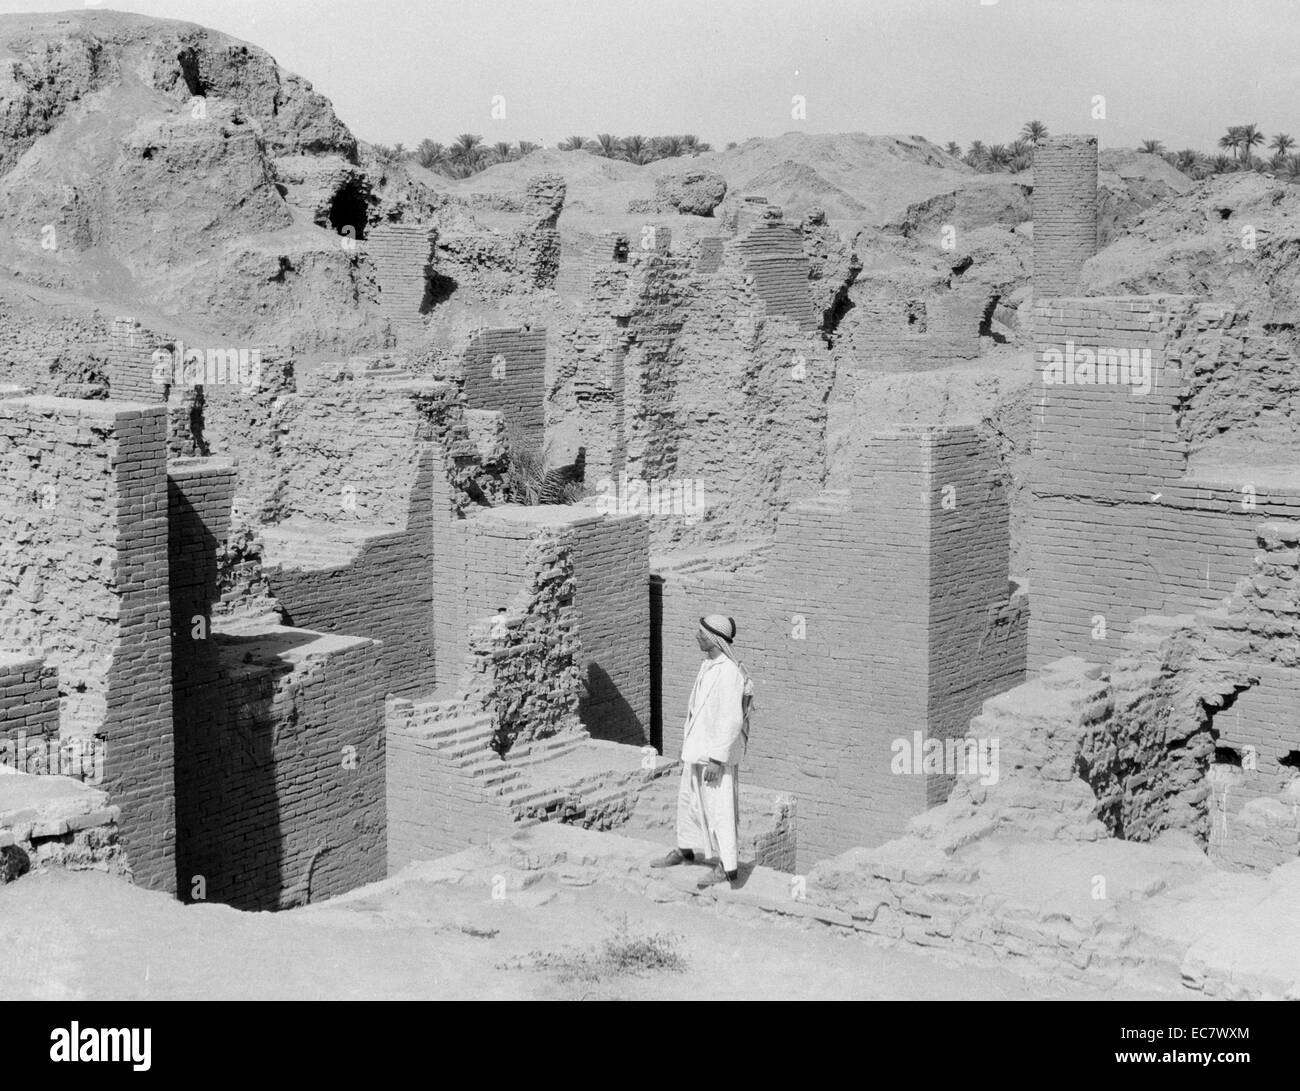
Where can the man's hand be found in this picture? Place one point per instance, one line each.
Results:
(712, 773)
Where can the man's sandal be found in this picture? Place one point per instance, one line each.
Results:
(677, 856)
(713, 878)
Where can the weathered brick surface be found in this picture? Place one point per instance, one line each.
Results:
(1124, 524)
(95, 604)
(505, 370)
(402, 255)
(902, 606)
(29, 698)
(280, 769)
(1065, 212)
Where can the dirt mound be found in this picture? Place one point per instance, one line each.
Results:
(139, 170)
(1235, 237)
(1129, 182)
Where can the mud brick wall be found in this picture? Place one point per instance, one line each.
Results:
(345, 451)
(247, 427)
(1123, 524)
(1065, 212)
(523, 667)
(846, 641)
(977, 641)
(914, 334)
(200, 493)
(710, 258)
(773, 255)
(382, 587)
(85, 583)
(280, 771)
(434, 808)
(517, 389)
(508, 559)
(130, 362)
(29, 700)
(611, 579)
(402, 255)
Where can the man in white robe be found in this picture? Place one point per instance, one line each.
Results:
(714, 739)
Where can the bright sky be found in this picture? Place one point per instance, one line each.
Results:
(398, 70)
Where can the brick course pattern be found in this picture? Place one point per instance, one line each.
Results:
(95, 605)
(402, 255)
(505, 370)
(1065, 212)
(898, 621)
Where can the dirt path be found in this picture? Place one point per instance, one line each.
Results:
(86, 936)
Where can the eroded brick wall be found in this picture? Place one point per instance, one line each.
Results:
(505, 370)
(85, 569)
(1065, 212)
(842, 628)
(280, 770)
(1124, 524)
(402, 255)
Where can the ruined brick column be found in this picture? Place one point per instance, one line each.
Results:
(131, 363)
(84, 588)
(403, 258)
(1065, 213)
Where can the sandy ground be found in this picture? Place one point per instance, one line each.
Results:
(87, 936)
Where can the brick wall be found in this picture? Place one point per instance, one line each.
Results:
(773, 255)
(505, 370)
(847, 641)
(29, 701)
(402, 255)
(919, 334)
(1065, 212)
(605, 591)
(84, 567)
(1124, 524)
(367, 582)
(611, 579)
(130, 362)
(280, 770)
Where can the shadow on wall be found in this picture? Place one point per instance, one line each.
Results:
(606, 713)
(437, 289)
(656, 661)
(229, 836)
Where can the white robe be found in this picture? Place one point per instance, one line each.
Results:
(708, 815)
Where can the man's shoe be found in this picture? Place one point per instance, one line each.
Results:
(713, 878)
(673, 859)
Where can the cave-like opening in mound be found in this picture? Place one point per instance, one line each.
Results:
(189, 62)
(348, 208)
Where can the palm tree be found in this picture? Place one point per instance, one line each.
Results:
(1021, 161)
(999, 157)
(1221, 164)
(606, 145)
(467, 151)
(953, 149)
(1282, 143)
(525, 147)
(1231, 139)
(1250, 136)
(1293, 168)
(1035, 132)
(573, 144)
(1187, 160)
(635, 149)
(693, 145)
(501, 151)
(1152, 147)
(976, 154)
(430, 154)
(666, 147)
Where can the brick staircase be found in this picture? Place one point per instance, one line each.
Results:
(535, 782)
